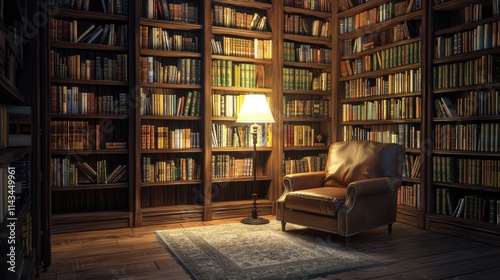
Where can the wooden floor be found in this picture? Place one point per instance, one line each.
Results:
(135, 253)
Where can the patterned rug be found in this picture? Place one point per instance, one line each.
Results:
(239, 251)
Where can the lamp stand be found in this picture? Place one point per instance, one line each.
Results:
(254, 219)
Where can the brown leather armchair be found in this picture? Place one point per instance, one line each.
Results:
(357, 191)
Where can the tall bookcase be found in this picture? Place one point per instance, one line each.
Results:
(306, 84)
(464, 194)
(379, 76)
(170, 129)
(89, 155)
(20, 247)
(240, 45)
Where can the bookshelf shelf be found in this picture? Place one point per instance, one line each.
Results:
(246, 4)
(466, 56)
(12, 154)
(377, 122)
(168, 151)
(361, 8)
(263, 35)
(453, 5)
(307, 119)
(10, 92)
(310, 148)
(89, 116)
(466, 153)
(380, 97)
(92, 152)
(242, 89)
(308, 39)
(173, 118)
(378, 73)
(411, 179)
(466, 88)
(324, 67)
(466, 26)
(307, 12)
(305, 92)
(162, 53)
(174, 183)
(86, 46)
(379, 48)
(81, 187)
(467, 119)
(240, 179)
(89, 82)
(184, 26)
(468, 187)
(243, 59)
(171, 86)
(86, 15)
(241, 149)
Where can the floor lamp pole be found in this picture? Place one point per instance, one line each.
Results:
(254, 219)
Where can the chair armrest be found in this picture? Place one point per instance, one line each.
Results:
(300, 181)
(373, 186)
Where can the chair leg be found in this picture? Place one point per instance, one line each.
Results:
(347, 240)
(283, 225)
(389, 228)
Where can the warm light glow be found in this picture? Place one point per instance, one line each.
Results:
(255, 109)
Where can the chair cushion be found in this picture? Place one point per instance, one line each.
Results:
(324, 201)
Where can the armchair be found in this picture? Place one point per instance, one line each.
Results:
(357, 191)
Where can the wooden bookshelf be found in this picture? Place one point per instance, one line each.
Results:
(93, 100)
(20, 210)
(478, 220)
(375, 56)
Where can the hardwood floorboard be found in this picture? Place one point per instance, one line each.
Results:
(136, 253)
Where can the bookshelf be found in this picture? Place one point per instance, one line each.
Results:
(380, 73)
(306, 104)
(89, 153)
(20, 244)
(169, 184)
(465, 157)
(239, 50)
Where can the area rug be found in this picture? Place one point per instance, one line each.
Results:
(239, 251)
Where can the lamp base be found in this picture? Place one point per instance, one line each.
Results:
(255, 221)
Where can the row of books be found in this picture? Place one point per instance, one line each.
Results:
(64, 173)
(161, 137)
(82, 135)
(227, 74)
(476, 12)
(88, 66)
(379, 14)
(296, 135)
(384, 59)
(305, 164)
(407, 135)
(15, 126)
(399, 32)
(186, 71)
(468, 104)
(300, 108)
(412, 166)
(485, 69)
(298, 79)
(315, 5)
(117, 7)
(306, 53)
(226, 105)
(157, 38)
(240, 18)
(386, 109)
(179, 169)
(482, 137)
(405, 82)
(181, 11)
(109, 34)
(166, 102)
(226, 166)
(307, 26)
(409, 195)
(482, 37)
(241, 47)
(483, 172)
(224, 135)
(72, 100)
(472, 207)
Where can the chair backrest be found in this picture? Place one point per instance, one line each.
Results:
(358, 159)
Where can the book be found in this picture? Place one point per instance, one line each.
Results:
(85, 33)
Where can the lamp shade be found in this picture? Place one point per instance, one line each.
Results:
(255, 109)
